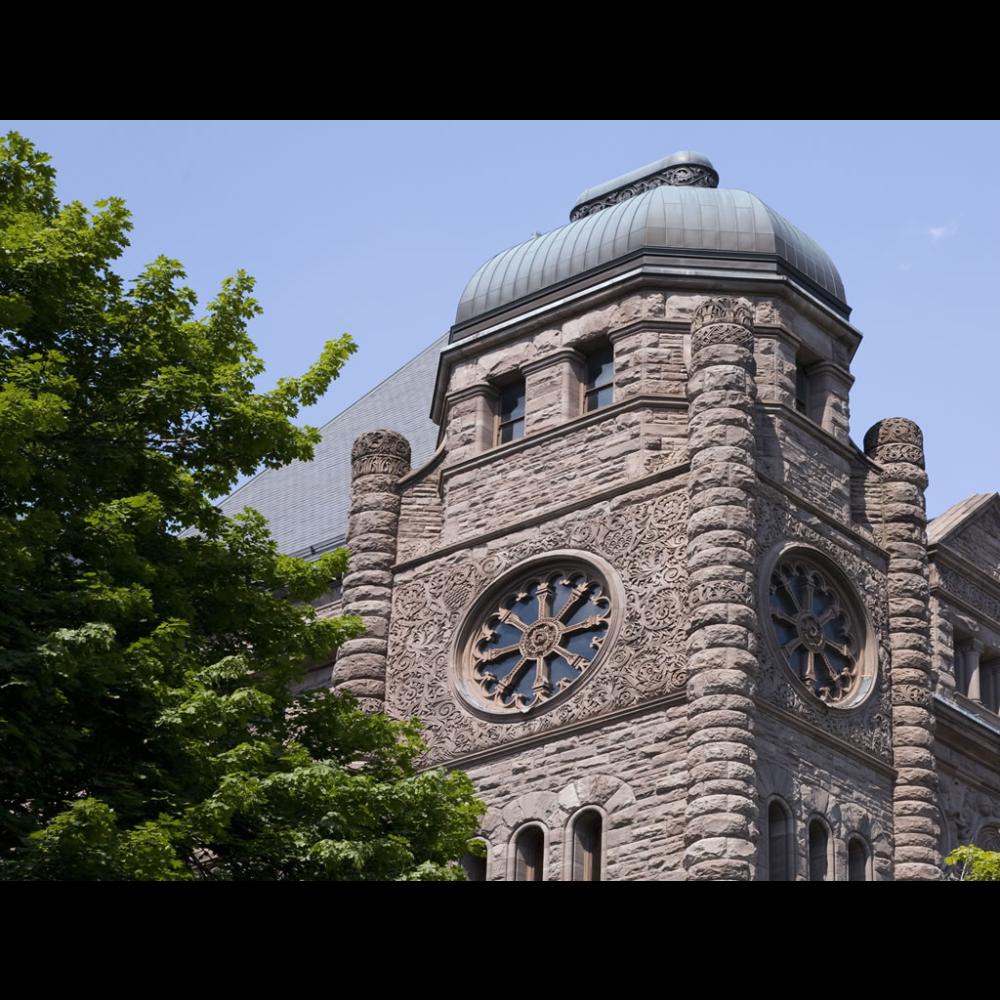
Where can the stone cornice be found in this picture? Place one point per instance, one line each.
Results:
(569, 729)
(947, 557)
(610, 493)
(583, 420)
(637, 273)
(801, 421)
(967, 733)
(554, 357)
(821, 736)
(471, 392)
(845, 529)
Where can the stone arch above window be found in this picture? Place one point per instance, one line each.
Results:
(988, 836)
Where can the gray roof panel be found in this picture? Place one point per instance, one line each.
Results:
(718, 220)
(307, 503)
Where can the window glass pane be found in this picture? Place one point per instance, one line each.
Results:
(512, 402)
(600, 368)
(512, 431)
(777, 843)
(818, 855)
(528, 861)
(598, 391)
(596, 398)
(587, 847)
(475, 867)
(857, 861)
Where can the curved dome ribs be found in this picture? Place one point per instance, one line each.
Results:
(669, 208)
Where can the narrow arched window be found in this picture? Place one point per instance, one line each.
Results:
(599, 389)
(475, 864)
(511, 426)
(819, 852)
(857, 860)
(779, 843)
(588, 829)
(529, 850)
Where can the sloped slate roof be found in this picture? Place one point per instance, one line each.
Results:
(307, 503)
(944, 525)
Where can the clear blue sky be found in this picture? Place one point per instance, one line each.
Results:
(374, 228)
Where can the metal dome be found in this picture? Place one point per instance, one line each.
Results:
(670, 207)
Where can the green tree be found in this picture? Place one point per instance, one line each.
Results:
(973, 864)
(149, 646)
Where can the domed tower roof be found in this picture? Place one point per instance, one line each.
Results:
(671, 208)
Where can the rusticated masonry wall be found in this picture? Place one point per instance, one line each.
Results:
(897, 445)
(721, 829)
(814, 777)
(633, 771)
(378, 460)
(609, 450)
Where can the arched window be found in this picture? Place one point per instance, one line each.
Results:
(529, 854)
(820, 868)
(857, 860)
(779, 842)
(475, 864)
(588, 836)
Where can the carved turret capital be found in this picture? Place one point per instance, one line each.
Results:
(384, 453)
(722, 322)
(895, 439)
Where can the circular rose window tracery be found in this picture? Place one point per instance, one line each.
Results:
(535, 635)
(818, 630)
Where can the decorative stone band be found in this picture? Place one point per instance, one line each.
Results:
(722, 322)
(720, 823)
(895, 439)
(379, 459)
(896, 444)
(679, 175)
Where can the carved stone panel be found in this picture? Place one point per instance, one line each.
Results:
(868, 726)
(642, 538)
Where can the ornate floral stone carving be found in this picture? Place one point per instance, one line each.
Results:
(727, 311)
(642, 538)
(867, 726)
(678, 175)
(976, 597)
(382, 453)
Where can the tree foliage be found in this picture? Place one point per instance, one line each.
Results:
(150, 646)
(973, 864)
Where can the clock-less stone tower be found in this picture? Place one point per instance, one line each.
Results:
(647, 591)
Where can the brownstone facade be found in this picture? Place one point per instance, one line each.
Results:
(694, 632)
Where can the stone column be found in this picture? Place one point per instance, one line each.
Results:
(721, 828)
(972, 651)
(898, 447)
(830, 388)
(553, 389)
(379, 459)
(471, 421)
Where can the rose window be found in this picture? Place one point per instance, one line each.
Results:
(536, 637)
(817, 631)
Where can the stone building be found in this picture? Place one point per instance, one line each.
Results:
(615, 546)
